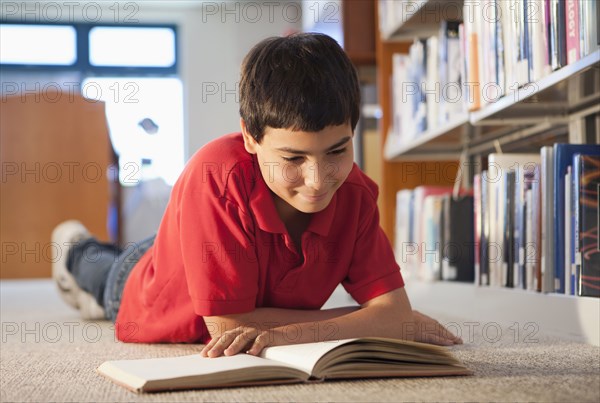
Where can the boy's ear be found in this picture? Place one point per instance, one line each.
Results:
(249, 143)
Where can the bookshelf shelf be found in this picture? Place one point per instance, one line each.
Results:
(554, 95)
(546, 103)
(420, 18)
(564, 316)
(444, 142)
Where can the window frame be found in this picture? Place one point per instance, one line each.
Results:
(82, 63)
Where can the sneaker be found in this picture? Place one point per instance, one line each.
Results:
(65, 235)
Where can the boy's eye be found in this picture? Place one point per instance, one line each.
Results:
(292, 159)
(338, 151)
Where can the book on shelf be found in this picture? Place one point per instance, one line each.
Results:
(416, 261)
(311, 362)
(547, 217)
(484, 266)
(432, 238)
(508, 278)
(458, 239)
(586, 200)
(477, 220)
(569, 274)
(525, 229)
(563, 157)
(572, 30)
(498, 167)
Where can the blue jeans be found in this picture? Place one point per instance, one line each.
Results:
(102, 269)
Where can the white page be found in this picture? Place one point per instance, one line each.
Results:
(189, 365)
(302, 356)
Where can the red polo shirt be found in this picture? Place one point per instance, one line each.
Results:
(222, 249)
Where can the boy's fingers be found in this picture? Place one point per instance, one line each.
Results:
(222, 343)
(261, 341)
(240, 342)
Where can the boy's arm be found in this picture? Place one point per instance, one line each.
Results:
(389, 315)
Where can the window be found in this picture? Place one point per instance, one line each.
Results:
(38, 44)
(128, 47)
(145, 120)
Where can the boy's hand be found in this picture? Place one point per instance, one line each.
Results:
(428, 330)
(241, 339)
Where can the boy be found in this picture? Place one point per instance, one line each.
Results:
(260, 228)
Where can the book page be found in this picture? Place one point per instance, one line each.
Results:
(302, 356)
(151, 369)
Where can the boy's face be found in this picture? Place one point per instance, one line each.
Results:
(303, 169)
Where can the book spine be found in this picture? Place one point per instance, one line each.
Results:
(567, 244)
(529, 247)
(485, 230)
(536, 241)
(547, 220)
(554, 31)
(477, 225)
(499, 36)
(558, 219)
(562, 33)
(572, 31)
(576, 225)
(590, 213)
(509, 228)
(473, 77)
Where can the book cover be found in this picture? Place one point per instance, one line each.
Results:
(563, 157)
(311, 362)
(588, 261)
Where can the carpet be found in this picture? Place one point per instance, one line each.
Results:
(48, 354)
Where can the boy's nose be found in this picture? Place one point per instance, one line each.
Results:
(315, 176)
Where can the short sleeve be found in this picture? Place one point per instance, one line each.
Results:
(219, 256)
(373, 271)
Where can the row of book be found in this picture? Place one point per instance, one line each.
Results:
(530, 222)
(497, 48)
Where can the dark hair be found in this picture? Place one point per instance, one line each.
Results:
(301, 82)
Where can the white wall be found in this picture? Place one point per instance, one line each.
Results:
(213, 39)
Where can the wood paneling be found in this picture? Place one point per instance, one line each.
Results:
(54, 153)
(359, 31)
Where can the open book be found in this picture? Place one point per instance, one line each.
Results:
(340, 359)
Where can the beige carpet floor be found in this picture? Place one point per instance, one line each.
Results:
(48, 354)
